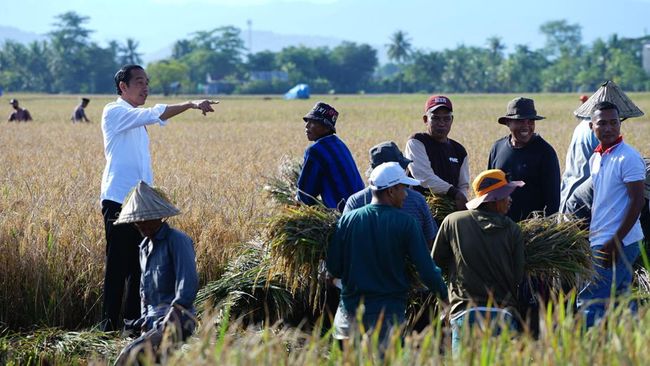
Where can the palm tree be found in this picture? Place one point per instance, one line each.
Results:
(399, 51)
(129, 52)
(495, 46)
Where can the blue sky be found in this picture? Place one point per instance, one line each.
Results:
(431, 24)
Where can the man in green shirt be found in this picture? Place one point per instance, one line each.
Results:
(370, 251)
(482, 251)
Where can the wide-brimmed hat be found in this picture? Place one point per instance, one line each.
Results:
(491, 185)
(520, 108)
(609, 92)
(390, 174)
(323, 113)
(146, 203)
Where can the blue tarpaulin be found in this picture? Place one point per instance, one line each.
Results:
(300, 91)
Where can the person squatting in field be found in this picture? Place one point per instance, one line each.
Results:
(169, 280)
(128, 160)
(439, 163)
(328, 168)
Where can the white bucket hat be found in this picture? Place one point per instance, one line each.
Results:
(145, 203)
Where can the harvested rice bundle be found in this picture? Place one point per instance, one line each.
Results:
(557, 249)
(297, 239)
(53, 345)
(441, 206)
(246, 288)
(283, 186)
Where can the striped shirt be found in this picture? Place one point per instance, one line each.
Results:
(328, 170)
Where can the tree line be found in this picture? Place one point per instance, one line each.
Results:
(69, 62)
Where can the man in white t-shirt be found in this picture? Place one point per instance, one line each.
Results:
(618, 175)
(126, 148)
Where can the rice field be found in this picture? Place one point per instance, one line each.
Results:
(214, 169)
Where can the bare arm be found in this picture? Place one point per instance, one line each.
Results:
(635, 192)
(174, 109)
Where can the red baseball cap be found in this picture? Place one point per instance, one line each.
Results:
(436, 101)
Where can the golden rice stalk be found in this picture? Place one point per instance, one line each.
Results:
(282, 187)
(297, 239)
(557, 248)
(440, 205)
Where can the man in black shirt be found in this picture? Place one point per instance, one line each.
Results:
(524, 155)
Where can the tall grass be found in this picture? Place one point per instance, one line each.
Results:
(619, 340)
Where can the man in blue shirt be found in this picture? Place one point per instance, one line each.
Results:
(328, 169)
(371, 249)
(414, 203)
(169, 281)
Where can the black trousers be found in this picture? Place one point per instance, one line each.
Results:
(122, 269)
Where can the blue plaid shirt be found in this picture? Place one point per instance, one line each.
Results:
(168, 275)
(328, 170)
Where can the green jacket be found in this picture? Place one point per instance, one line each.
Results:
(483, 254)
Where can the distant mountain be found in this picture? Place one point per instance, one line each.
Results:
(15, 34)
(270, 41)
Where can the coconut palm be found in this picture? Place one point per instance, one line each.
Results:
(399, 51)
(129, 52)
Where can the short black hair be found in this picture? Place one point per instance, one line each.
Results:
(124, 74)
(603, 106)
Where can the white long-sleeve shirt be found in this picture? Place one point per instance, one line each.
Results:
(126, 147)
(421, 169)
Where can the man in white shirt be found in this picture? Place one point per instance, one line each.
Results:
(618, 175)
(126, 148)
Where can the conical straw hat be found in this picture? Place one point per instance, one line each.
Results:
(609, 92)
(145, 203)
